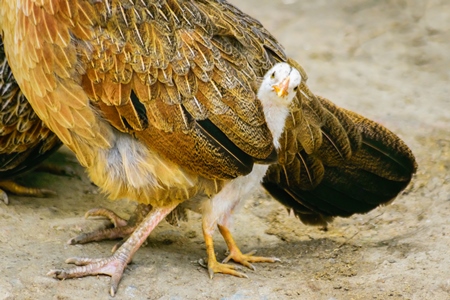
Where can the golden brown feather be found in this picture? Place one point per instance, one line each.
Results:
(24, 140)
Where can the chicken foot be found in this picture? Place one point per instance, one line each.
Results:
(115, 264)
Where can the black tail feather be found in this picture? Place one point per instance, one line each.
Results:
(375, 174)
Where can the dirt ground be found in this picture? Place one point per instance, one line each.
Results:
(389, 60)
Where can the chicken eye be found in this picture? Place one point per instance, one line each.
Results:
(296, 88)
(273, 75)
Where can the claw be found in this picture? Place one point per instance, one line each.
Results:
(248, 258)
(243, 261)
(112, 266)
(115, 264)
(109, 214)
(236, 254)
(216, 267)
(121, 228)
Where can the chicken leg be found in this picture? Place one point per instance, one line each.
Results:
(236, 254)
(213, 265)
(122, 228)
(115, 264)
(17, 189)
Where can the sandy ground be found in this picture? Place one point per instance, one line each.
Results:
(389, 60)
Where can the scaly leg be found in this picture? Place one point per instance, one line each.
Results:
(17, 189)
(122, 228)
(236, 254)
(115, 264)
(213, 265)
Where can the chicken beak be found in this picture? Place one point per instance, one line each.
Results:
(282, 88)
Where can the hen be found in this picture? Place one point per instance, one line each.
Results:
(158, 101)
(24, 140)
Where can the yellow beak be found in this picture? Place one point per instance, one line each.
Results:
(282, 88)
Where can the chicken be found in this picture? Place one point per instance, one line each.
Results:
(157, 99)
(276, 93)
(24, 140)
(317, 188)
(331, 183)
